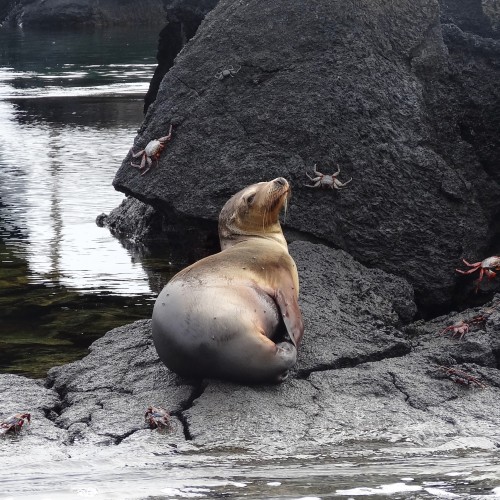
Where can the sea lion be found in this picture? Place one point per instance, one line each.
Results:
(220, 317)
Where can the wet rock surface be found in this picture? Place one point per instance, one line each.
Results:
(405, 105)
(365, 373)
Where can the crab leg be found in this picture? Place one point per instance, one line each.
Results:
(136, 155)
(141, 166)
(167, 137)
(314, 179)
(476, 264)
(470, 271)
(150, 164)
(342, 184)
(315, 171)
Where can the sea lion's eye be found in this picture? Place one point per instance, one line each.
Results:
(250, 199)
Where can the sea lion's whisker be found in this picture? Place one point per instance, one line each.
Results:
(285, 206)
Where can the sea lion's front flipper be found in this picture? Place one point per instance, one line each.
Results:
(288, 306)
(290, 312)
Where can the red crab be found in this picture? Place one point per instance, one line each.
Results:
(487, 266)
(151, 152)
(460, 328)
(14, 423)
(157, 418)
(461, 377)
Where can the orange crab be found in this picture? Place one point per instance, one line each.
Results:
(486, 267)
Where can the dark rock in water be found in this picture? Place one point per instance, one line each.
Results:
(481, 17)
(405, 106)
(364, 376)
(70, 13)
(183, 19)
(132, 219)
(66, 13)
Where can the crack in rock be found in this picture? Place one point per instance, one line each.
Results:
(397, 351)
(198, 390)
(401, 390)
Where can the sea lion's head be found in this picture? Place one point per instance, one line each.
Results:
(254, 211)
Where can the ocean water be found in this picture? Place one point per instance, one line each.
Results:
(70, 105)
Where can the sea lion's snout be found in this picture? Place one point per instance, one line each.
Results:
(281, 181)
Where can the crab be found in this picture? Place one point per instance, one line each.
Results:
(487, 266)
(157, 418)
(226, 72)
(14, 423)
(461, 377)
(459, 329)
(151, 152)
(326, 180)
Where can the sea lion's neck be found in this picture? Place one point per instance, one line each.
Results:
(234, 238)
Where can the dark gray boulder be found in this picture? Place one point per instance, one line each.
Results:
(384, 91)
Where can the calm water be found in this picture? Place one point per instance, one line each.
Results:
(67, 119)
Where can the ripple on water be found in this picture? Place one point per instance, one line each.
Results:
(67, 120)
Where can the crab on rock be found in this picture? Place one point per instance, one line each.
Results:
(458, 329)
(326, 180)
(151, 152)
(226, 72)
(487, 266)
(157, 417)
(14, 423)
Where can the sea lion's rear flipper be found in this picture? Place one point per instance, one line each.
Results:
(290, 312)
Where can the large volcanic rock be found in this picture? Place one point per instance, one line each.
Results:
(372, 87)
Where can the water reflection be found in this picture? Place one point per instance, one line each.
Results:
(70, 104)
(59, 178)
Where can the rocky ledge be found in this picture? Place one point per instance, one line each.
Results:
(366, 375)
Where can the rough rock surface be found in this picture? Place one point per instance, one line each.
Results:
(364, 376)
(183, 19)
(407, 106)
(133, 220)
